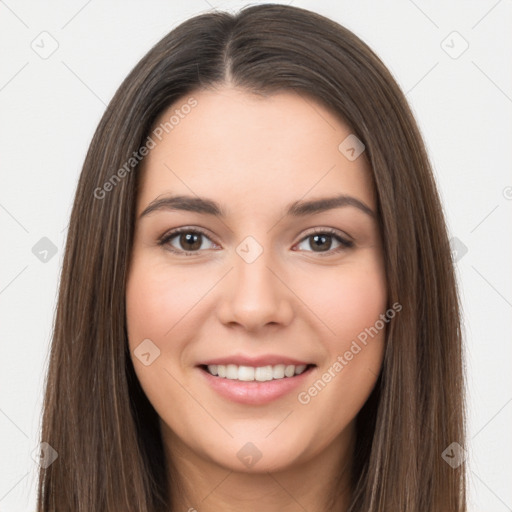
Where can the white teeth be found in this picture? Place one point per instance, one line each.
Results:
(300, 369)
(278, 371)
(245, 373)
(261, 373)
(289, 370)
(231, 371)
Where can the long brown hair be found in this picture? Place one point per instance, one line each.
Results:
(96, 416)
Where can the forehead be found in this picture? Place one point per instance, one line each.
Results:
(233, 144)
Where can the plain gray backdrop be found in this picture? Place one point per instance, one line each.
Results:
(61, 63)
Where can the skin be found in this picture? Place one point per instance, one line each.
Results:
(255, 155)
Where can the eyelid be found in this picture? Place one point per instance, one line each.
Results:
(330, 231)
(168, 235)
(345, 240)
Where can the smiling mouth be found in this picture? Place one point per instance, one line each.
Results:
(256, 374)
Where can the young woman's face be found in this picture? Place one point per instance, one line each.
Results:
(271, 282)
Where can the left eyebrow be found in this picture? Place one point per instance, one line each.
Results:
(296, 209)
(302, 208)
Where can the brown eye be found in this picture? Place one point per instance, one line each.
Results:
(322, 241)
(185, 241)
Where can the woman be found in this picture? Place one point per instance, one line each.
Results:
(257, 308)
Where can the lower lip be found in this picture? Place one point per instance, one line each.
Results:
(254, 392)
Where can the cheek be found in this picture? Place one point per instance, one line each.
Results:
(361, 299)
(158, 303)
(146, 307)
(349, 300)
(156, 300)
(162, 304)
(351, 306)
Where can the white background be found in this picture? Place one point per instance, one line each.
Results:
(51, 107)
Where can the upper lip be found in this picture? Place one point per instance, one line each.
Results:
(264, 360)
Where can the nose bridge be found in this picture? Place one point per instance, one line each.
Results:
(255, 296)
(253, 276)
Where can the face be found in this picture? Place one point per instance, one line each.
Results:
(265, 281)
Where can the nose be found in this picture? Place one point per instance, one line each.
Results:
(254, 295)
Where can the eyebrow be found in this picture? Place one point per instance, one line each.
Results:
(296, 209)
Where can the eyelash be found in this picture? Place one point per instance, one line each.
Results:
(167, 237)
